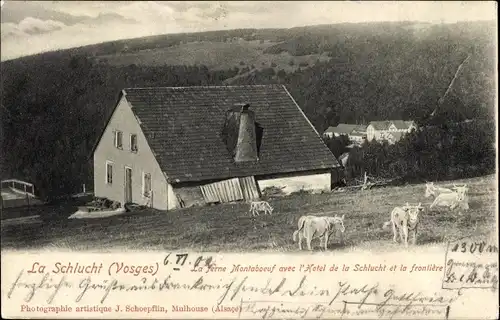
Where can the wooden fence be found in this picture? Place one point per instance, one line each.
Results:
(17, 193)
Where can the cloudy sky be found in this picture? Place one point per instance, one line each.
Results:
(29, 27)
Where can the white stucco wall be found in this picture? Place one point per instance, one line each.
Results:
(171, 198)
(143, 161)
(311, 182)
(370, 133)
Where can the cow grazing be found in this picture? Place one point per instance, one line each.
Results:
(432, 190)
(257, 206)
(405, 219)
(313, 227)
(452, 200)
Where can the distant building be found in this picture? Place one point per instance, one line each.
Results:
(356, 133)
(178, 147)
(357, 137)
(389, 130)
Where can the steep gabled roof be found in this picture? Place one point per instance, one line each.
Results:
(400, 124)
(344, 128)
(381, 125)
(360, 128)
(384, 125)
(183, 127)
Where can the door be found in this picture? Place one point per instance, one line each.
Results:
(128, 185)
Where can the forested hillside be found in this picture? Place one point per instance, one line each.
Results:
(54, 105)
(399, 74)
(54, 110)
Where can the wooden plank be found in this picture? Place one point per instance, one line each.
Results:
(249, 188)
(222, 191)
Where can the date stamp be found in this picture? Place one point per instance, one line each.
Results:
(471, 262)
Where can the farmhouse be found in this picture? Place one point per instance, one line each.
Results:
(174, 147)
(356, 133)
(389, 130)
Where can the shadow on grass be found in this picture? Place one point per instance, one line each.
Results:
(316, 246)
(444, 218)
(339, 246)
(29, 232)
(426, 238)
(474, 205)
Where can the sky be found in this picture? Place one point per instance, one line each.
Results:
(30, 27)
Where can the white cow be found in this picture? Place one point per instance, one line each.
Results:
(405, 219)
(313, 227)
(432, 190)
(452, 200)
(256, 206)
(464, 203)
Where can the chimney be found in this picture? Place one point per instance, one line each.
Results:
(239, 133)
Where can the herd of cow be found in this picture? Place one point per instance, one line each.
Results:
(403, 219)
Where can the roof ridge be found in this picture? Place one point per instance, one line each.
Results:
(309, 122)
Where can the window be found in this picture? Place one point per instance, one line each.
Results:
(109, 172)
(119, 139)
(133, 142)
(146, 185)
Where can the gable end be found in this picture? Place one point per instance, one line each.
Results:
(98, 140)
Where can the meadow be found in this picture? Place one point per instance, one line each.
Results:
(215, 55)
(230, 228)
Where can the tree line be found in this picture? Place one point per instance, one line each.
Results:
(54, 110)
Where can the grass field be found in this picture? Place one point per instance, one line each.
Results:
(230, 228)
(214, 55)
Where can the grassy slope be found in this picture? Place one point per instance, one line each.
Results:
(215, 55)
(229, 227)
